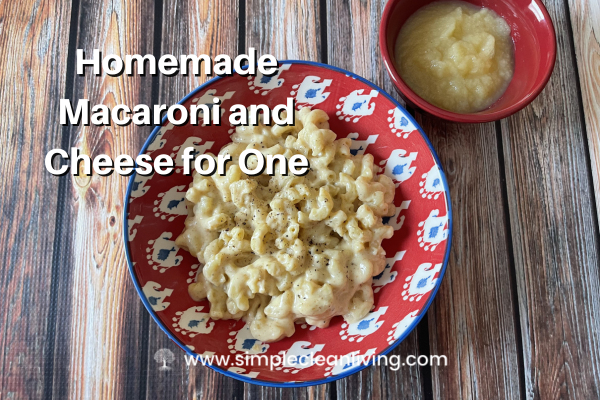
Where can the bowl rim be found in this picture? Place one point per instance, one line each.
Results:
(405, 90)
(330, 378)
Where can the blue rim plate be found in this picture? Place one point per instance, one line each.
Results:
(330, 378)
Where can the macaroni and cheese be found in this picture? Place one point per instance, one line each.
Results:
(282, 249)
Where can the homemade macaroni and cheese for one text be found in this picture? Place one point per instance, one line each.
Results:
(282, 249)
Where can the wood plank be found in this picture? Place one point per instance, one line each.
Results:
(285, 29)
(353, 40)
(104, 322)
(466, 335)
(203, 27)
(555, 237)
(585, 23)
(254, 392)
(288, 30)
(471, 321)
(383, 383)
(33, 45)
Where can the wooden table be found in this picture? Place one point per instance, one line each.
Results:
(518, 312)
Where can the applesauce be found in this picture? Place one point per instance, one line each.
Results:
(455, 55)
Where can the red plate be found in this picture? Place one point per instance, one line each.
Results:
(417, 254)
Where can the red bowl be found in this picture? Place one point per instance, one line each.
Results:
(535, 52)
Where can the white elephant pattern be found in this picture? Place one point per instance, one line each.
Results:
(356, 105)
(155, 296)
(311, 91)
(163, 253)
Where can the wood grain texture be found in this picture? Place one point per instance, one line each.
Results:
(253, 392)
(33, 46)
(472, 320)
(353, 40)
(285, 29)
(203, 27)
(554, 234)
(479, 260)
(384, 383)
(103, 324)
(585, 23)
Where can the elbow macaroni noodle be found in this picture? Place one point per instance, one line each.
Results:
(281, 249)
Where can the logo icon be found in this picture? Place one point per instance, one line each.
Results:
(164, 356)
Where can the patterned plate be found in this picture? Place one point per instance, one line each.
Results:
(417, 254)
